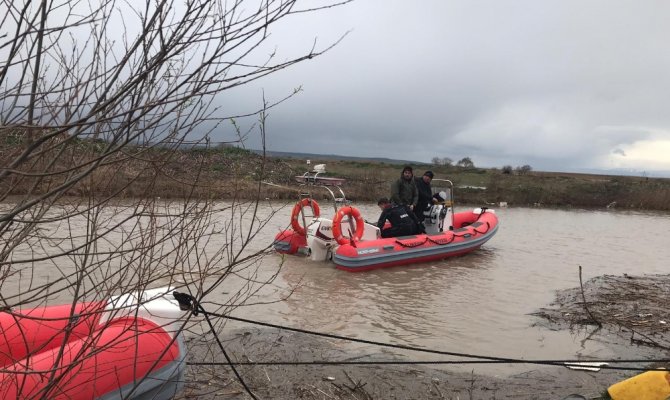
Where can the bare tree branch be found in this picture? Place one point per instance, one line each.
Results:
(103, 107)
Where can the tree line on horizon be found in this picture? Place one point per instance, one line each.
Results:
(466, 162)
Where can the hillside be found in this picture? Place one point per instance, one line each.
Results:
(231, 172)
(335, 157)
(370, 180)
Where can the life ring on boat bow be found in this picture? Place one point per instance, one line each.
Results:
(351, 212)
(297, 208)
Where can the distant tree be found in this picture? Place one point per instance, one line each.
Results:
(523, 170)
(444, 161)
(465, 162)
(507, 169)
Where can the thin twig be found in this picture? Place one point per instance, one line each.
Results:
(581, 285)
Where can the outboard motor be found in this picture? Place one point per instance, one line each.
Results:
(320, 239)
(321, 242)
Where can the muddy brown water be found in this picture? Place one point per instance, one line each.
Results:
(479, 303)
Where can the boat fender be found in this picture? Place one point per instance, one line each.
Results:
(297, 208)
(352, 212)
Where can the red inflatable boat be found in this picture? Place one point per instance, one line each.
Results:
(355, 245)
(125, 348)
(470, 230)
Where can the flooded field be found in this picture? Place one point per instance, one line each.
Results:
(478, 304)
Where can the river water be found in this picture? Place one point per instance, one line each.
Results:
(480, 303)
(477, 304)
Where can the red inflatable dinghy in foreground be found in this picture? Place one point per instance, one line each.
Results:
(126, 348)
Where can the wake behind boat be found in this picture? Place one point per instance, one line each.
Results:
(354, 244)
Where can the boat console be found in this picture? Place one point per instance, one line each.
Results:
(440, 216)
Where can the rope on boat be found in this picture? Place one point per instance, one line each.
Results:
(412, 244)
(186, 302)
(488, 227)
(443, 241)
(481, 213)
(352, 242)
(463, 234)
(474, 230)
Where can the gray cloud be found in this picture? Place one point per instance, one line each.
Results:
(553, 84)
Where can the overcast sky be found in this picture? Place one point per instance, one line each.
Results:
(556, 84)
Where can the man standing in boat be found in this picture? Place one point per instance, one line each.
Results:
(425, 192)
(402, 219)
(403, 191)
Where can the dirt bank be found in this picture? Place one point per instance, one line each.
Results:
(630, 311)
(366, 381)
(634, 308)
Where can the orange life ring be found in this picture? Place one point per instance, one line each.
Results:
(297, 208)
(337, 224)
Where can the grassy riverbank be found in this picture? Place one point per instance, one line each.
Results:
(368, 181)
(227, 172)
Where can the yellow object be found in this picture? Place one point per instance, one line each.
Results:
(650, 385)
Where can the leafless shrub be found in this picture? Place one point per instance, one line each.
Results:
(97, 98)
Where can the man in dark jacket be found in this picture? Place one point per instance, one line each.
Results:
(402, 219)
(425, 194)
(403, 191)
